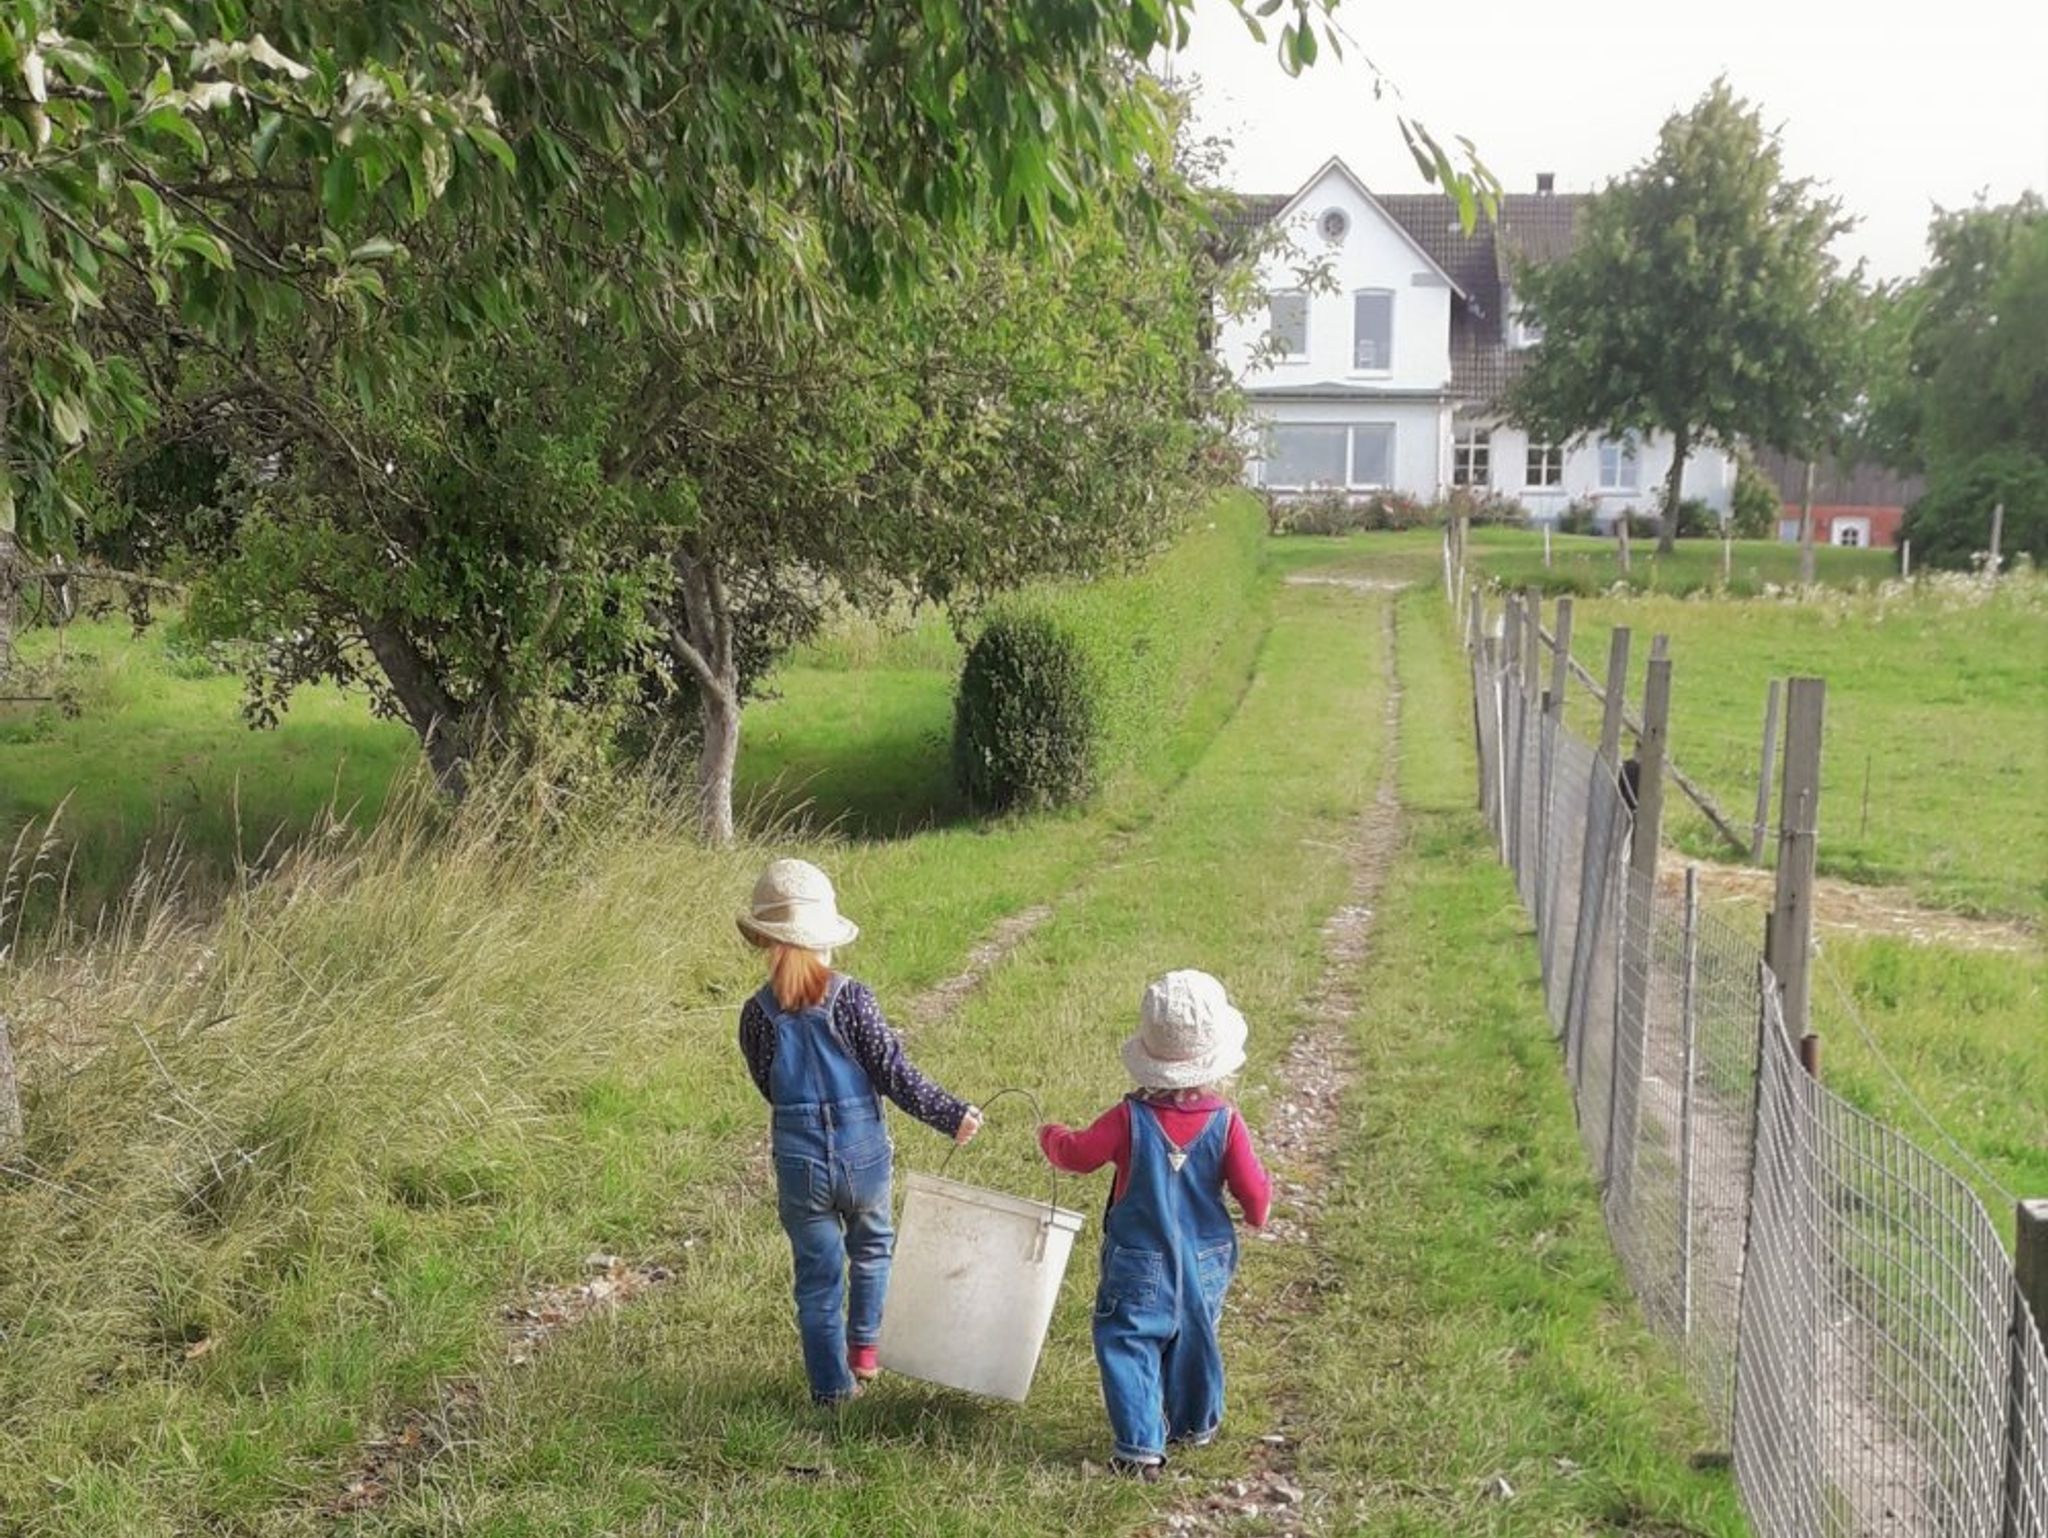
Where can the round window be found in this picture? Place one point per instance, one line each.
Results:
(1335, 224)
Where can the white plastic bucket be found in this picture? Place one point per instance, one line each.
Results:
(972, 1291)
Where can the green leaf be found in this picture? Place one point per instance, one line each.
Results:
(170, 122)
(264, 145)
(374, 249)
(68, 419)
(204, 245)
(338, 190)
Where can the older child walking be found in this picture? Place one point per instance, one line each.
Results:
(822, 1056)
(1169, 1248)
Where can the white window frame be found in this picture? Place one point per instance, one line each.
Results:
(1352, 482)
(1377, 368)
(1273, 331)
(1351, 453)
(1472, 447)
(1545, 457)
(1628, 458)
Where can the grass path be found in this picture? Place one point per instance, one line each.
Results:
(684, 1413)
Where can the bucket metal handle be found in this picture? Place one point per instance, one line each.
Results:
(1052, 1200)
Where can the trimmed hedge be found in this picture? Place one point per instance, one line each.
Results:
(1064, 686)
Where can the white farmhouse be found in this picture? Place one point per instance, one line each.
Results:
(1388, 377)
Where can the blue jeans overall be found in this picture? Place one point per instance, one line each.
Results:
(1169, 1251)
(832, 1159)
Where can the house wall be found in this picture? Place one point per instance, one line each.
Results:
(1374, 253)
(1709, 476)
(1421, 436)
(1879, 524)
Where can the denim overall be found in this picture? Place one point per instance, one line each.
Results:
(1169, 1250)
(832, 1158)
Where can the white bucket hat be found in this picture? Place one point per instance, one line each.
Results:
(793, 904)
(1188, 1034)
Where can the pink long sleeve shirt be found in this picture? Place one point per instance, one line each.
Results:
(1108, 1141)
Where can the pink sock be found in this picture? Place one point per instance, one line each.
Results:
(861, 1360)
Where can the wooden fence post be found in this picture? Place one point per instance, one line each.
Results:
(1905, 560)
(1553, 727)
(1616, 701)
(1806, 530)
(1546, 547)
(1788, 942)
(1763, 776)
(10, 1091)
(1621, 529)
(1633, 1014)
(2030, 1297)
(1688, 1022)
(1997, 535)
(1593, 853)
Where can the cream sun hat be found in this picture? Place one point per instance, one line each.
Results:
(1189, 1034)
(794, 904)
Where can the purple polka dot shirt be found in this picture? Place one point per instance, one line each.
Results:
(877, 1048)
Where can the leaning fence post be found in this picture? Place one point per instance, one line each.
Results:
(1763, 776)
(10, 1091)
(1593, 853)
(1532, 691)
(1637, 895)
(1688, 1021)
(1513, 634)
(1553, 728)
(2029, 1316)
(1788, 941)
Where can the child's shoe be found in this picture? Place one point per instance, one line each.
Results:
(1149, 1470)
(863, 1363)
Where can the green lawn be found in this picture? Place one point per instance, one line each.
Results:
(330, 1132)
(148, 753)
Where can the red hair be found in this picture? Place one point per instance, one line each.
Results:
(798, 976)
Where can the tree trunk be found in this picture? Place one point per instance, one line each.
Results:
(717, 756)
(700, 639)
(10, 582)
(1806, 530)
(10, 1091)
(435, 716)
(1674, 486)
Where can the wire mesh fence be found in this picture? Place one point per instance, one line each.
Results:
(1841, 1302)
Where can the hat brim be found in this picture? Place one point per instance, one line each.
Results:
(829, 936)
(1219, 1062)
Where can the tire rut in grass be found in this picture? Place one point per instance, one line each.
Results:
(1300, 1139)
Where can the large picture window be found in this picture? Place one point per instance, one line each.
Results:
(1304, 455)
(1299, 457)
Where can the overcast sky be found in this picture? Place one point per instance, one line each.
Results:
(1896, 113)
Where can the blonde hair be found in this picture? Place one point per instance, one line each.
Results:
(798, 976)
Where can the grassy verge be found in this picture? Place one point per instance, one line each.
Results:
(1474, 1335)
(148, 750)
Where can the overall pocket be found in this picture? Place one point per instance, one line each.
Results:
(1130, 1279)
(1215, 1265)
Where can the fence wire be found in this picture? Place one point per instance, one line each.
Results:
(1840, 1300)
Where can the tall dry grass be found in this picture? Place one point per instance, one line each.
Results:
(254, 1140)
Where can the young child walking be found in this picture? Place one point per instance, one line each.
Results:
(1169, 1248)
(822, 1056)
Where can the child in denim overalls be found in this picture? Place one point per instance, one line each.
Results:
(1169, 1248)
(822, 1055)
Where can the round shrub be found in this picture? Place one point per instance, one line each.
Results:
(1027, 722)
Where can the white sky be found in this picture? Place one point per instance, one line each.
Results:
(1895, 112)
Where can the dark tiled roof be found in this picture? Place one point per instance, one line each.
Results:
(1532, 228)
(1835, 484)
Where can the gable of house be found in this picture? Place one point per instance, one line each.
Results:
(1478, 265)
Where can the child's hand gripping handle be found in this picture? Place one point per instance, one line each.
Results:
(971, 1124)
